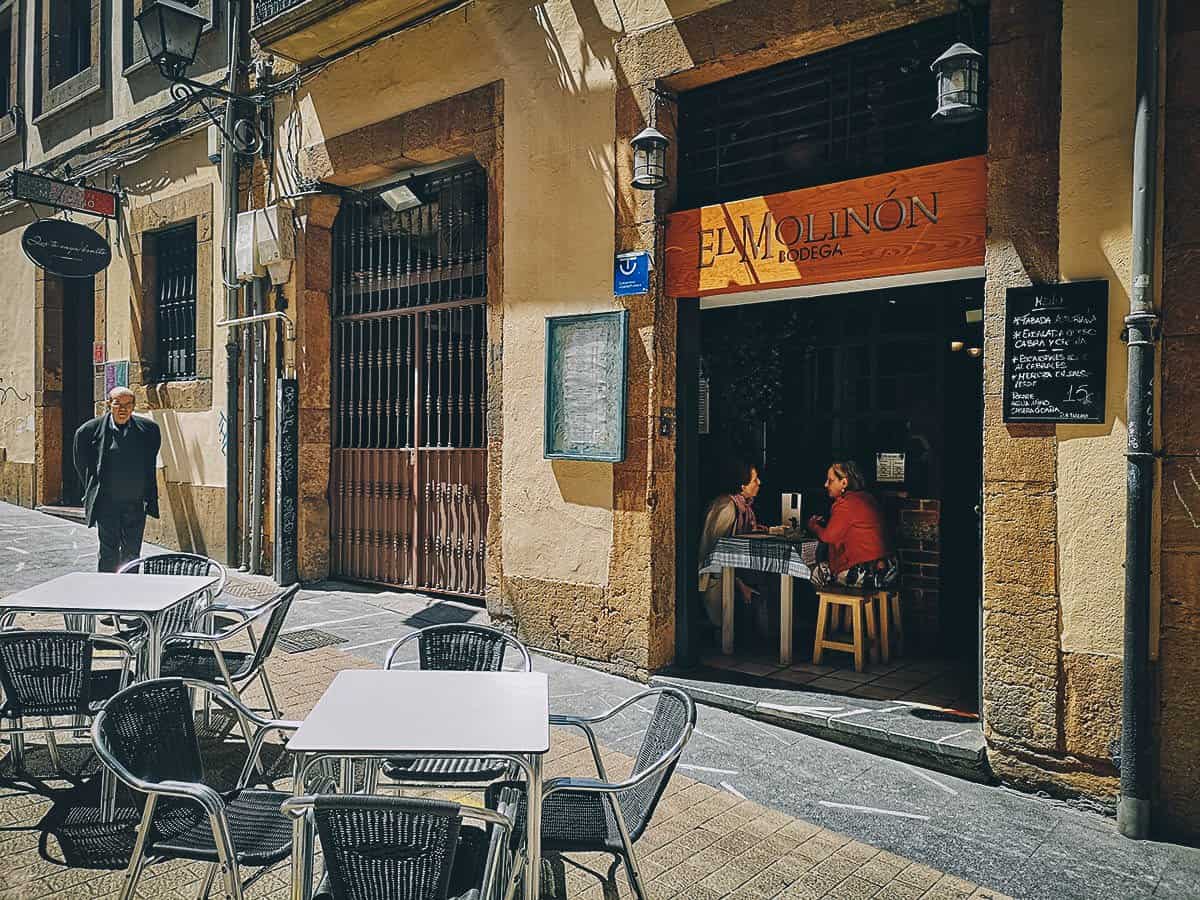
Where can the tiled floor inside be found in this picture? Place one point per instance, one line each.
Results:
(942, 682)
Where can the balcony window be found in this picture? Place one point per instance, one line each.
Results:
(68, 52)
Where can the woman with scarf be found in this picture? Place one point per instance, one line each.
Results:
(727, 515)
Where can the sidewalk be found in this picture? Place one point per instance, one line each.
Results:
(754, 812)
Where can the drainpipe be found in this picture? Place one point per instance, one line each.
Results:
(1141, 331)
(229, 185)
(260, 429)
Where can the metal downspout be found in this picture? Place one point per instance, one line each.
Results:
(257, 458)
(1141, 331)
(229, 185)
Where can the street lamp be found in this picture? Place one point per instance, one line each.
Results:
(958, 83)
(649, 159)
(171, 31)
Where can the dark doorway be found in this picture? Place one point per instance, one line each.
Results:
(790, 386)
(78, 390)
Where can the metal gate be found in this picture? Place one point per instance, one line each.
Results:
(409, 462)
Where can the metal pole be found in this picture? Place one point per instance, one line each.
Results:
(229, 185)
(260, 429)
(1141, 327)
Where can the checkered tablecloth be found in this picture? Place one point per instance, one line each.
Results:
(763, 554)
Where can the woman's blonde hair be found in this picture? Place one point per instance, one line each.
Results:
(848, 469)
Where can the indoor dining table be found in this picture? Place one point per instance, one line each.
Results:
(81, 596)
(761, 553)
(378, 714)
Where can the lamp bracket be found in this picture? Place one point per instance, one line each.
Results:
(247, 134)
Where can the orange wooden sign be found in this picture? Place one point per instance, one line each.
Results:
(916, 220)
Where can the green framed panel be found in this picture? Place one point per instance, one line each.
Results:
(586, 385)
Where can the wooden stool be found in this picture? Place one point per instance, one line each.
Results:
(890, 620)
(859, 604)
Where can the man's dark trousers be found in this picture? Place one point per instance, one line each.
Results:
(120, 527)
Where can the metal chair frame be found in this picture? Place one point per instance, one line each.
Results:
(207, 797)
(611, 790)
(17, 732)
(496, 865)
(415, 637)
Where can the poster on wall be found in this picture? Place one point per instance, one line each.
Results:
(1055, 352)
(585, 386)
(116, 374)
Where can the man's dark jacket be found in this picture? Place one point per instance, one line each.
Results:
(90, 443)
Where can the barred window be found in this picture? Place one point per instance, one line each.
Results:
(175, 303)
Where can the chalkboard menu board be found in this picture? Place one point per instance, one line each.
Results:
(1055, 346)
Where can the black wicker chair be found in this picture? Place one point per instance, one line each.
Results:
(199, 654)
(458, 648)
(146, 735)
(47, 674)
(186, 615)
(588, 815)
(403, 848)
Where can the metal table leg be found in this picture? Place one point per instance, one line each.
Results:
(533, 830)
(785, 620)
(302, 842)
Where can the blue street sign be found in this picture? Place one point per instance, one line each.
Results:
(631, 274)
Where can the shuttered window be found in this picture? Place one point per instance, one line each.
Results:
(175, 306)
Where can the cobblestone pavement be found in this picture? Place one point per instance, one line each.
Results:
(704, 843)
(754, 811)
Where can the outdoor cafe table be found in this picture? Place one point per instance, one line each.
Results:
(761, 553)
(379, 713)
(149, 598)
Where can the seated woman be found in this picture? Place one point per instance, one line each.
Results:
(729, 514)
(860, 554)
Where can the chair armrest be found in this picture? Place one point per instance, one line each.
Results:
(582, 725)
(208, 637)
(206, 796)
(605, 716)
(257, 745)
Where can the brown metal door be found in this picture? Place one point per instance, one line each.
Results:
(409, 466)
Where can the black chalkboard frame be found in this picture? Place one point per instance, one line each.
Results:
(1090, 295)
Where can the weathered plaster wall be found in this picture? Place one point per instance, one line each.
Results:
(1095, 186)
(1179, 644)
(16, 346)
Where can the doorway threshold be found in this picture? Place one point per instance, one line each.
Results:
(937, 738)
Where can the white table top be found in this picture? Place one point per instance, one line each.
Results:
(377, 711)
(104, 592)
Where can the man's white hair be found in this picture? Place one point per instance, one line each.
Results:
(121, 392)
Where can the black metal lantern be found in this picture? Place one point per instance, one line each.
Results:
(171, 31)
(649, 159)
(958, 83)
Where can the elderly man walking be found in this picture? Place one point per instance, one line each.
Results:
(115, 457)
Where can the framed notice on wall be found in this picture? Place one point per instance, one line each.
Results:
(1055, 352)
(586, 386)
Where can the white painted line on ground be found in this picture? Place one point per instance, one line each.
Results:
(729, 787)
(871, 809)
(17, 550)
(336, 622)
(801, 709)
(956, 734)
(18, 568)
(390, 640)
(712, 737)
(945, 787)
(708, 769)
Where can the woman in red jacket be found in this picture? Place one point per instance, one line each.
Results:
(860, 554)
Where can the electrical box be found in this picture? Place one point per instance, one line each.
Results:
(248, 265)
(214, 144)
(276, 238)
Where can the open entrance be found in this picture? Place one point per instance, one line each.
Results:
(78, 390)
(890, 380)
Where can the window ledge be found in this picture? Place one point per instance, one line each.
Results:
(185, 396)
(84, 94)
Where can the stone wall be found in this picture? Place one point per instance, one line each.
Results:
(1179, 634)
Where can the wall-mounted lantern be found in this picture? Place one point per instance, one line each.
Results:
(959, 72)
(649, 159)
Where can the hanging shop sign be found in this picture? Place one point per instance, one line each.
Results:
(925, 219)
(586, 386)
(1056, 352)
(66, 248)
(63, 194)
